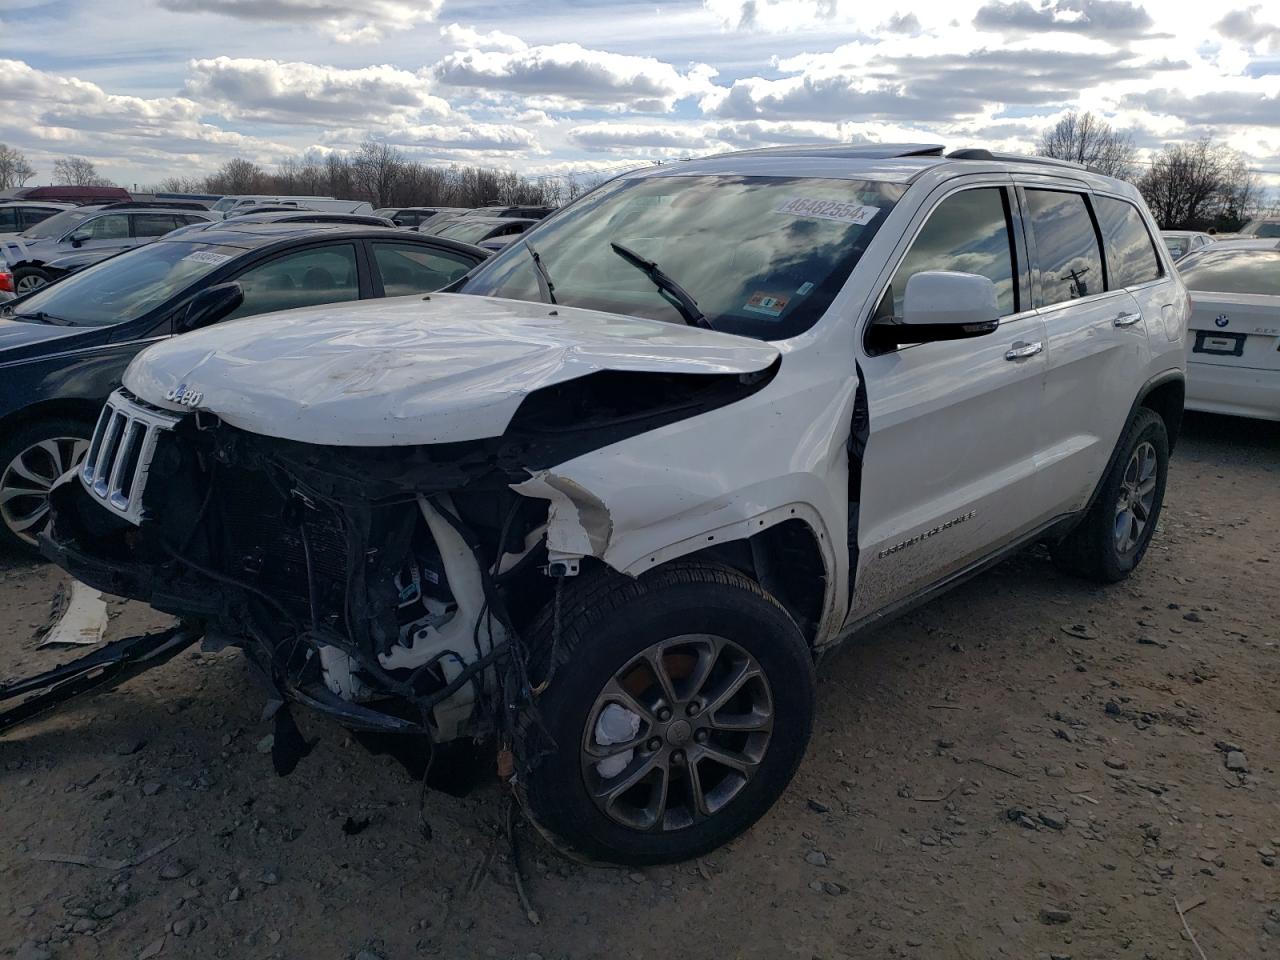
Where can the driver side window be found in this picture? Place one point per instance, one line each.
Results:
(113, 227)
(302, 279)
(968, 232)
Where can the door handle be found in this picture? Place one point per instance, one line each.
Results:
(1021, 350)
(1126, 319)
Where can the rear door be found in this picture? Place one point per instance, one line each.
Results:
(1097, 344)
(948, 472)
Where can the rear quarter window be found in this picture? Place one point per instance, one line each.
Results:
(1131, 253)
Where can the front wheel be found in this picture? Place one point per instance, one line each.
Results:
(1113, 536)
(32, 458)
(679, 709)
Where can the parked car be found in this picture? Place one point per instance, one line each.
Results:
(63, 349)
(285, 215)
(414, 216)
(532, 212)
(478, 229)
(74, 239)
(69, 194)
(610, 500)
(1182, 242)
(1233, 346)
(18, 215)
(1265, 228)
(227, 206)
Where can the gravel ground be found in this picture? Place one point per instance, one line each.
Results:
(1031, 767)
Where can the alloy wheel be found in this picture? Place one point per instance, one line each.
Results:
(26, 284)
(1137, 494)
(677, 733)
(27, 479)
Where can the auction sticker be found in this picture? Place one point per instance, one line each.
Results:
(204, 256)
(828, 210)
(767, 304)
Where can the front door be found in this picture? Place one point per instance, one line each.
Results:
(949, 465)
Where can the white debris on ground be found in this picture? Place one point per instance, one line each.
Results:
(616, 724)
(83, 622)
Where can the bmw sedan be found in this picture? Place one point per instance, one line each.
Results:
(63, 348)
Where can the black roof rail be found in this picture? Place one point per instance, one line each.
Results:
(846, 151)
(981, 153)
(163, 204)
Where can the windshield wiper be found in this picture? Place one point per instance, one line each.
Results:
(545, 286)
(687, 306)
(41, 317)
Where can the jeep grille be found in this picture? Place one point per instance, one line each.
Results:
(115, 470)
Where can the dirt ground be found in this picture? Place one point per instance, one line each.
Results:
(1031, 767)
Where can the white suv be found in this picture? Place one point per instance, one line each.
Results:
(609, 501)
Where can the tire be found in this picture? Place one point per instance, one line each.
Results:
(29, 459)
(27, 279)
(1093, 550)
(698, 610)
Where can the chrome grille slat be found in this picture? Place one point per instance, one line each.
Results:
(115, 472)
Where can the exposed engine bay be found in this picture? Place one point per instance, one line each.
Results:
(387, 586)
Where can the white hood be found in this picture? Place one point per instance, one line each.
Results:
(411, 370)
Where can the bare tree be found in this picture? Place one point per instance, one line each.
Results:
(377, 166)
(78, 172)
(14, 169)
(1192, 186)
(1087, 138)
(238, 176)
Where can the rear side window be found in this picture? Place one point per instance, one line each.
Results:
(1066, 244)
(9, 220)
(154, 224)
(1216, 270)
(408, 268)
(1131, 255)
(968, 232)
(302, 279)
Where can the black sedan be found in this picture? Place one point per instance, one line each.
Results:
(64, 348)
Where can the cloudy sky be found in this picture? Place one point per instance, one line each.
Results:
(150, 88)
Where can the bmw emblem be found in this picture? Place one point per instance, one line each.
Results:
(1221, 320)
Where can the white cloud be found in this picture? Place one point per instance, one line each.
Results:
(312, 93)
(347, 21)
(470, 38)
(567, 74)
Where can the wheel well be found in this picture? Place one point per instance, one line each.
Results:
(86, 410)
(1166, 399)
(785, 560)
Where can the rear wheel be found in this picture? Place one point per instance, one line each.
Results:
(1113, 536)
(31, 460)
(679, 710)
(28, 279)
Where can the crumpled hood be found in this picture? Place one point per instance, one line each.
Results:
(412, 370)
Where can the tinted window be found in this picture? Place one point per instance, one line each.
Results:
(113, 227)
(1268, 230)
(762, 256)
(1067, 245)
(470, 231)
(33, 215)
(1232, 271)
(1131, 257)
(154, 224)
(967, 233)
(125, 287)
(416, 268)
(318, 275)
(9, 220)
(1177, 246)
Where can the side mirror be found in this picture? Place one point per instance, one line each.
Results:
(78, 238)
(209, 306)
(941, 305)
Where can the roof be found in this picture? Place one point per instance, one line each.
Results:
(253, 236)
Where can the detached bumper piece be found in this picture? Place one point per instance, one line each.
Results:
(101, 670)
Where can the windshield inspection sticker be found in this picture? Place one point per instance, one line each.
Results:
(767, 304)
(204, 256)
(828, 210)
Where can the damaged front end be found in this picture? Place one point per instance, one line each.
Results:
(385, 586)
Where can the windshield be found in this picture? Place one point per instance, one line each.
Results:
(127, 286)
(761, 256)
(226, 203)
(1263, 229)
(1232, 271)
(57, 225)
